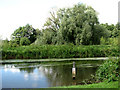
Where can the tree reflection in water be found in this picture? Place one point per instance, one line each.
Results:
(60, 75)
(28, 70)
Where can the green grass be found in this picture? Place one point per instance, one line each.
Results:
(98, 85)
(95, 86)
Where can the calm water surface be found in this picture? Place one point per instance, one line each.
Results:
(42, 75)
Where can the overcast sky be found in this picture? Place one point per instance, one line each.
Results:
(16, 13)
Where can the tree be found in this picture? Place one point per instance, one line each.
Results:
(26, 31)
(24, 41)
(77, 25)
(99, 32)
(113, 29)
(52, 23)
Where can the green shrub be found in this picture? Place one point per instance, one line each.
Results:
(108, 71)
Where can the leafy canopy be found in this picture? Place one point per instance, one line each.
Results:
(77, 25)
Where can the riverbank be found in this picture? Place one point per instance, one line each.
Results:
(53, 60)
(59, 51)
(96, 85)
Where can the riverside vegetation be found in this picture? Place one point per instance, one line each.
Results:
(59, 51)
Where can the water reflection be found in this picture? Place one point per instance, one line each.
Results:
(28, 70)
(26, 76)
(42, 76)
(11, 68)
(62, 75)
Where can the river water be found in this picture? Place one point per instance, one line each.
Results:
(37, 75)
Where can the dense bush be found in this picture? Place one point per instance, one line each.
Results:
(59, 51)
(109, 71)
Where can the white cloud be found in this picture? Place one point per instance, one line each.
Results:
(11, 69)
(26, 76)
(15, 13)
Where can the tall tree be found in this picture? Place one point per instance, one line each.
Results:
(77, 25)
(26, 31)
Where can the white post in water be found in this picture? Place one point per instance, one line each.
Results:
(73, 71)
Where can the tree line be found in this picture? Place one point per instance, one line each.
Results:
(78, 25)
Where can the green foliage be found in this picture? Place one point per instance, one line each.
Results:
(113, 41)
(103, 41)
(114, 30)
(109, 41)
(78, 25)
(5, 43)
(26, 31)
(119, 39)
(108, 71)
(24, 41)
(58, 51)
(13, 44)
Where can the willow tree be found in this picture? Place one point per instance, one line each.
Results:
(80, 25)
(77, 25)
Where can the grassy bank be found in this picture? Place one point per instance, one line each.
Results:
(97, 85)
(103, 85)
(58, 51)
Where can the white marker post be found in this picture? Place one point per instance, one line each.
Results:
(73, 71)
